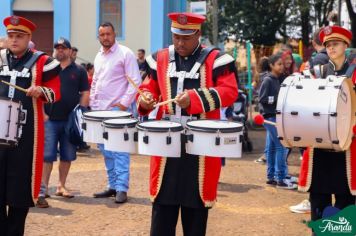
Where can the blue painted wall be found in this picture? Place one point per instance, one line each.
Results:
(5, 11)
(61, 19)
(160, 23)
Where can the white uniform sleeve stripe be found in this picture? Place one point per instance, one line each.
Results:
(51, 66)
(151, 62)
(223, 60)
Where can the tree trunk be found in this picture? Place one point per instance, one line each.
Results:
(215, 21)
(352, 15)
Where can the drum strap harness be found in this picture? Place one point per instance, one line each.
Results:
(14, 73)
(182, 75)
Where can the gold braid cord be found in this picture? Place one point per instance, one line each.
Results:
(209, 98)
(168, 88)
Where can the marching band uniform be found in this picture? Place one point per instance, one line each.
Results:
(326, 172)
(21, 166)
(189, 182)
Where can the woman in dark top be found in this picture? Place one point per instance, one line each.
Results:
(274, 151)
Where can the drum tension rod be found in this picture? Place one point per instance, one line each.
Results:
(296, 139)
(126, 136)
(334, 114)
(316, 113)
(321, 87)
(294, 113)
(319, 140)
(299, 87)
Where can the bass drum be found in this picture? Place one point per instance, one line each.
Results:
(316, 112)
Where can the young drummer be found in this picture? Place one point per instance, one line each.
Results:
(327, 172)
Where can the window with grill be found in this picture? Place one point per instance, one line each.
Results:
(111, 11)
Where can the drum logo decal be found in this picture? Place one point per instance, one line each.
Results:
(231, 140)
(343, 95)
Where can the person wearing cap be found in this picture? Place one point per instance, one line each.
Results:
(110, 90)
(327, 172)
(202, 80)
(74, 91)
(21, 165)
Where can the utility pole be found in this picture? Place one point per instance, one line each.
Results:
(214, 11)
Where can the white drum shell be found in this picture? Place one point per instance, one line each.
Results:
(9, 120)
(115, 139)
(309, 100)
(93, 133)
(157, 142)
(204, 143)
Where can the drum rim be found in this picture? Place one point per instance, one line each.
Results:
(159, 129)
(96, 118)
(214, 130)
(11, 99)
(128, 125)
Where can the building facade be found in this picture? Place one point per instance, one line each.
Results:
(138, 23)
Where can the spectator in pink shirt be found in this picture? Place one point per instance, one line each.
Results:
(110, 90)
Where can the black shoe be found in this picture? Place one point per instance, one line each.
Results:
(105, 193)
(271, 182)
(121, 197)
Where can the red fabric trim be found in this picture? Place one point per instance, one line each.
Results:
(353, 164)
(210, 185)
(304, 168)
(54, 84)
(154, 175)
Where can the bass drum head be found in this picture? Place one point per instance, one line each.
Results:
(101, 115)
(346, 108)
(160, 126)
(215, 125)
(119, 123)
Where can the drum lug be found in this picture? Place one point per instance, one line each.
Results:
(299, 87)
(84, 126)
(278, 112)
(296, 139)
(283, 85)
(337, 86)
(321, 87)
(334, 114)
(190, 137)
(241, 138)
(105, 135)
(316, 113)
(126, 136)
(319, 140)
(168, 140)
(217, 141)
(135, 136)
(335, 142)
(294, 113)
(280, 138)
(145, 139)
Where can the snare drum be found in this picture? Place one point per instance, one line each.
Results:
(214, 138)
(119, 135)
(92, 124)
(159, 138)
(11, 118)
(316, 112)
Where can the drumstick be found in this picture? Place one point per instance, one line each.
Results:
(136, 87)
(165, 102)
(260, 120)
(15, 86)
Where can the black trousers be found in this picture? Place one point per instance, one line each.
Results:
(12, 221)
(319, 201)
(165, 217)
